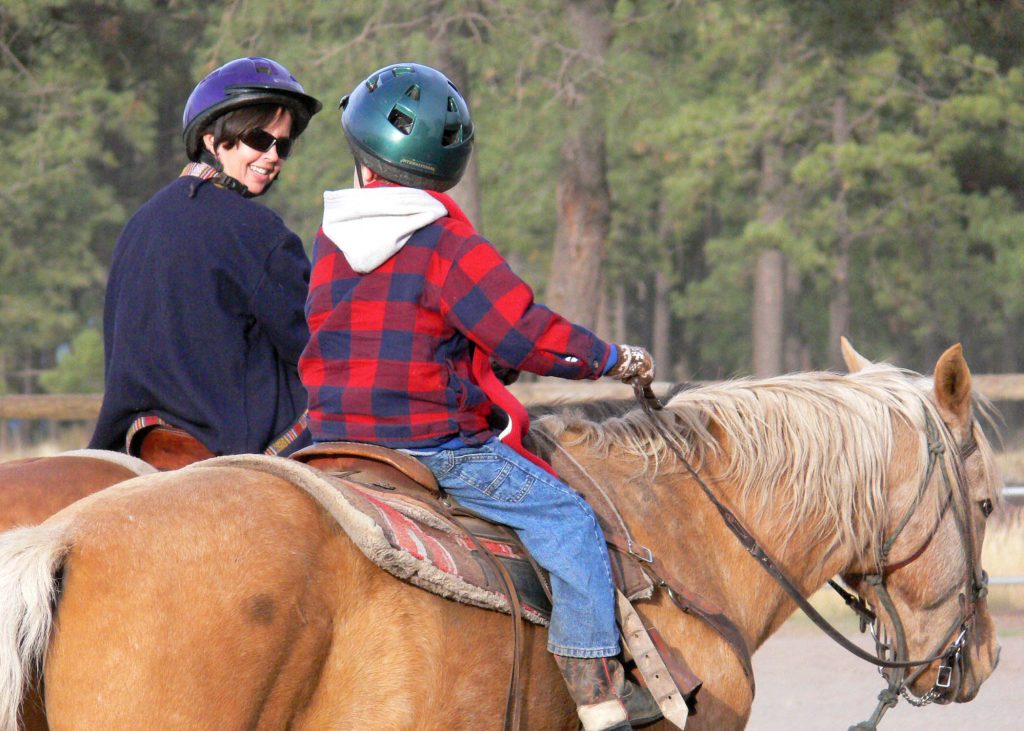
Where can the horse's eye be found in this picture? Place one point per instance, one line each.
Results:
(986, 507)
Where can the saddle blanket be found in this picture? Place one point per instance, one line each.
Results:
(403, 536)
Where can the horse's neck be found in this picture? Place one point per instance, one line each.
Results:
(671, 515)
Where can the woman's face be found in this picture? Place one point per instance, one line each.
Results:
(253, 168)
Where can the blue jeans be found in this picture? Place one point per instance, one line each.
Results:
(558, 528)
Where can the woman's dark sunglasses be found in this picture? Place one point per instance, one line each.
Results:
(261, 141)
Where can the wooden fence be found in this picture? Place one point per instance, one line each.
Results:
(60, 407)
(84, 407)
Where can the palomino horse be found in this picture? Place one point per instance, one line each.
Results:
(34, 488)
(219, 597)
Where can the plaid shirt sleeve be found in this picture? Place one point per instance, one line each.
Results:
(485, 300)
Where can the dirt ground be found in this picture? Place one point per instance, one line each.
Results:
(806, 682)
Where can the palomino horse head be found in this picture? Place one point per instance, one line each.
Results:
(925, 579)
(879, 473)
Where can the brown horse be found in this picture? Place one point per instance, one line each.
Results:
(34, 488)
(220, 597)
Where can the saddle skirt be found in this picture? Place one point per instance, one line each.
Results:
(407, 530)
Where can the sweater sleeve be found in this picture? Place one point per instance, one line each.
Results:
(279, 299)
(485, 300)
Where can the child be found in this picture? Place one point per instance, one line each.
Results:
(407, 304)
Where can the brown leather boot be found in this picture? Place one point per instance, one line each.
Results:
(605, 699)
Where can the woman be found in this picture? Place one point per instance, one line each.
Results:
(203, 320)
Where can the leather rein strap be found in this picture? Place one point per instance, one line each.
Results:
(514, 702)
(619, 537)
(650, 403)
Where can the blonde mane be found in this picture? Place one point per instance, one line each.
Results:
(817, 447)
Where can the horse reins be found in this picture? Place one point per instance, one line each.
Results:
(953, 656)
(897, 684)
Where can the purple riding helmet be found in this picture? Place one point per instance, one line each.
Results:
(241, 83)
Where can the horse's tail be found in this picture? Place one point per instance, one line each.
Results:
(29, 560)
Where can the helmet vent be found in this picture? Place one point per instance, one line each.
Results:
(413, 92)
(400, 121)
(452, 134)
(451, 105)
(372, 83)
(265, 70)
(399, 70)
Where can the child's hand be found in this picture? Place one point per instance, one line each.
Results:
(634, 365)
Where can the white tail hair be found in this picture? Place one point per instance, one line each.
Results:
(29, 558)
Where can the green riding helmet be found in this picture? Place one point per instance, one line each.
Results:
(409, 124)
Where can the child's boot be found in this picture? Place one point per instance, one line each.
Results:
(605, 699)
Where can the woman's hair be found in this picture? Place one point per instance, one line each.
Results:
(229, 127)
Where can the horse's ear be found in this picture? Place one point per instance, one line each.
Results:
(854, 360)
(953, 383)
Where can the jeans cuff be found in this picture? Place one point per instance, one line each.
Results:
(609, 651)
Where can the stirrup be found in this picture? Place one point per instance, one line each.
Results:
(604, 716)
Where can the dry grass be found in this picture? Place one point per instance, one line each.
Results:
(1002, 555)
(1011, 465)
(42, 449)
(63, 438)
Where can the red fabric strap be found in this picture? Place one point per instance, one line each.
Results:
(504, 399)
(485, 378)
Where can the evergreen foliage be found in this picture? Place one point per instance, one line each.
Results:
(897, 129)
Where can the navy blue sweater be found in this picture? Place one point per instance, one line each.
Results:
(203, 320)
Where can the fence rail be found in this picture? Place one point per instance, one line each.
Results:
(61, 407)
(73, 407)
(1006, 580)
(85, 407)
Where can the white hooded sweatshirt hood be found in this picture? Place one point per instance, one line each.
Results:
(370, 225)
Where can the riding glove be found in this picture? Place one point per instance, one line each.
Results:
(634, 365)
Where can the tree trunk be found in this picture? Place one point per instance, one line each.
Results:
(769, 286)
(661, 335)
(582, 198)
(665, 277)
(467, 193)
(796, 353)
(770, 276)
(619, 313)
(1011, 356)
(839, 305)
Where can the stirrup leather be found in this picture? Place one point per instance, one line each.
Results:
(641, 648)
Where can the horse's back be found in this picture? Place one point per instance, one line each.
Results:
(189, 600)
(221, 597)
(32, 489)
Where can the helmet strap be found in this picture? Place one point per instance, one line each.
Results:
(359, 174)
(223, 179)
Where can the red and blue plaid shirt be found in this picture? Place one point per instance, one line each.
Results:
(389, 357)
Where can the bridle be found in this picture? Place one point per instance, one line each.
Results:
(954, 655)
(887, 656)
